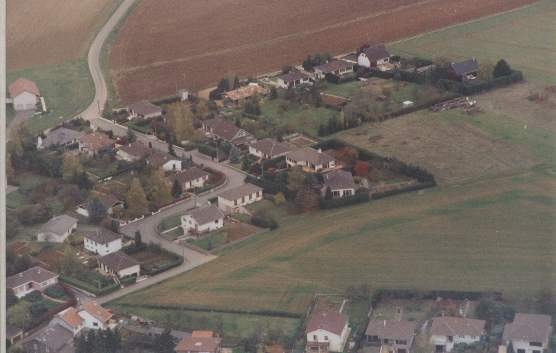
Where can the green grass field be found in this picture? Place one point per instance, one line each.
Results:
(67, 89)
(524, 37)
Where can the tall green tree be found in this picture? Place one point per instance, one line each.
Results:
(136, 200)
(502, 68)
(159, 188)
(97, 210)
(165, 342)
(177, 190)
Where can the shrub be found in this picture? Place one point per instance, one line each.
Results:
(359, 197)
(502, 68)
(34, 296)
(56, 291)
(262, 219)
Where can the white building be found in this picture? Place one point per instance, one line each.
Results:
(133, 152)
(269, 148)
(392, 336)
(340, 183)
(373, 56)
(144, 110)
(25, 94)
(35, 278)
(95, 316)
(448, 331)
(102, 242)
(119, 264)
(231, 201)
(57, 229)
(165, 161)
(69, 319)
(202, 220)
(293, 79)
(192, 178)
(333, 67)
(327, 331)
(310, 160)
(528, 333)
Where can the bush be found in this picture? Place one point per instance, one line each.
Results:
(263, 220)
(56, 291)
(359, 197)
(33, 297)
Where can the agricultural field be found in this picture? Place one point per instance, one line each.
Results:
(190, 49)
(494, 234)
(523, 37)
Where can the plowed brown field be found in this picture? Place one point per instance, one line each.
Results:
(176, 43)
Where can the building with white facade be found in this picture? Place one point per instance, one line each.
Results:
(528, 333)
(373, 56)
(25, 94)
(231, 201)
(339, 182)
(327, 331)
(448, 331)
(102, 242)
(392, 336)
(95, 316)
(269, 148)
(310, 160)
(192, 178)
(202, 220)
(119, 264)
(57, 229)
(35, 278)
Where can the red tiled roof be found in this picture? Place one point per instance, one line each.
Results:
(327, 320)
(23, 85)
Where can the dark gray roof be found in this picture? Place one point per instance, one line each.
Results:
(240, 191)
(465, 67)
(390, 329)
(457, 326)
(34, 274)
(137, 149)
(528, 327)
(60, 136)
(271, 147)
(338, 179)
(102, 236)
(191, 174)
(51, 339)
(158, 158)
(145, 108)
(334, 65)
(222, 128)
(206, 214)
(117, 261)
(375, 52)
(59, 224)
(310, 155)
(292, 76)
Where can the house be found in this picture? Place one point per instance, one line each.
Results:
(373, 56)
(120, 264)
(95, 316)
(200, 342)
(333, 67)
(95, 143)
(102, 242)
(220, 129)
(231, 201)
(310, 159)
(242, 94)
(57, 229)
(192, 178)
(448, 331)
(269, 148)
(109, 201)
(327, 331)
(25, 94)
(202, 220)
(133, 152)
(528, 333)
(164, 160)
(143, 110)
(34, 278)
(464, 70)
(59, 137)
(51, 339)
(293, 79)
(393, 336)
(69, 319)
(340, 183)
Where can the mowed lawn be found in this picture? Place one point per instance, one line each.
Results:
(494, 234)
(524, 37)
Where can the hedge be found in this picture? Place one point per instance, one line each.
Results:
(473, 88)
(420, 186)
(346, 201)
(178, 260)
(94, 290)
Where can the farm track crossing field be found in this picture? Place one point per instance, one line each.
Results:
(200, 42)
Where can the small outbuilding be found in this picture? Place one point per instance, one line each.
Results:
(57, 229)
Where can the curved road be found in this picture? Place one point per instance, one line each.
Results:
(148, 226)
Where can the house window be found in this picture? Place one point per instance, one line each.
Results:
(95, 324)
(315, 338)
(450, 338)
(402, 342)
(521, 351)
(535, 344)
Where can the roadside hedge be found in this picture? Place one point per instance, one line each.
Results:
(94, 290)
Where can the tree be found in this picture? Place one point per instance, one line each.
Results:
(19, 315)
(306, 200)
(136, 200)
(328, 193)
(361, 168)
(180, 121)
(494, 312)
(296, 179)
(70, 265)
(159, 188)
(10, 171)
(97, 210)
(131, 137)
(279, 199)
(234, 155)
(138, 239)
(236, 82)
(502, 68)
(165, 342)
(177, 190)
(273, 93)
(223, 85)
(82, 180)
(71, 167)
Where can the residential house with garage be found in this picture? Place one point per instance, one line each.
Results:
(163, 160)
(25, 94)
(333, 67)
(95, 316)
(202, 220)
(242, 94)
(133, 152)
(200, 342)
(327, 331)
(50, 339)
(95, 143)
(70, 319)
(223, 130)
(102, 241)
(393, 336)
(119, 264)
(293, 79)
(339, 182)
(144, 110)
(373, 56)
(467, 70)
(448, 331)
(269, 148)
(59, 137)
(192, 178)
(528, 333)
(34, 278)
(310, 160)
(233, 200)
(110, 202)
(57, 229)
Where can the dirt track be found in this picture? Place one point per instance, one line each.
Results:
(200, 42)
